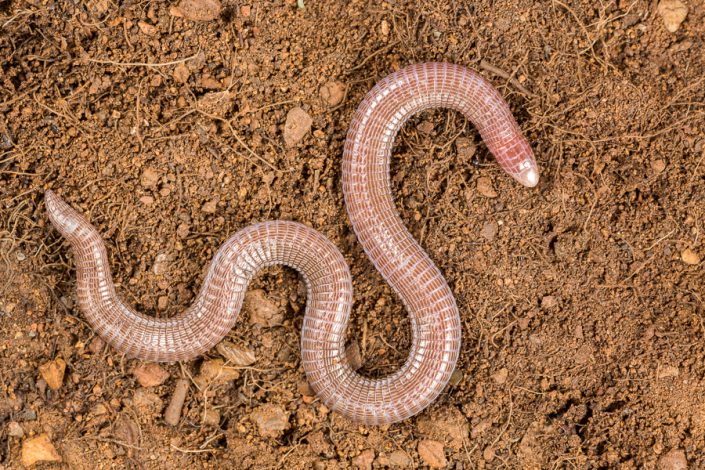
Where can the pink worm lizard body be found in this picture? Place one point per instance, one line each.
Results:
(435, 320)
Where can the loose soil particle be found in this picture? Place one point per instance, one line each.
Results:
(582, 294)
(39, 449)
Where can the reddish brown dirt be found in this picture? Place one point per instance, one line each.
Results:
(583, 326)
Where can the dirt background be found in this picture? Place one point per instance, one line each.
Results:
(581, 300)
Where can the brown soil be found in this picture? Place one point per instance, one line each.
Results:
(583, 324)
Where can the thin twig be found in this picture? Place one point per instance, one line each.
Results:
(501, 73)
(192, 451)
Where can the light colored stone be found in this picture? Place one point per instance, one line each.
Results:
(181, 73)
(211, 417)
(447, 425)
(98, 7)
(150, 374)
(333, 93)
(364, 460)
(489, 231)
(665, 372)
(396, 459)
(500, 377)
(38, 449)
(465, 148)
(271, 420)
(658, 165)
(146, 402)
(216, 103)
(14, 429)
(53, 373)
(298, 123)
(215, 370)
(674, 460)
(354, 355)
(198, 10)
(432, 453)
(262, 311)
(484, 187)
(149, 178)
(548, 302)
(236, 355)
(210, 207)
(690, 257)
(673, 13)
(161, 264)
(147, 28)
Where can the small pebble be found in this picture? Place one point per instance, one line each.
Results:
(673, 13)
(126, 430)
(14, 429)
(364, 460)
(298, 123)
(271, 420)
(333, 93)
(181, 73)
(456, 377)
(262, 310)
(146, 402)
(447, 425)
(384, 29)
(236, 355)
(53, 373)
(484, 187)
(150, 177)
(211, 417)
(216, 103)
(548, 302)
(489, 231)
(500, 377)
(665, 372)
(208, 82)
(96, 345)
(215, 370)
(674, 460)
(304, 388)
(183, 230)
(398, 458)
(690, 257)
(99, 409)
(38, 449)
(353, 355)
(198, 10)
(147, 28)
(488, 454)
(98, 7)
(465, 148)
(150, 374)
(432, 453)
(658, 165)
(480, 428)
(147, 200)
(161, 264)
(210, 207)
(426, 127)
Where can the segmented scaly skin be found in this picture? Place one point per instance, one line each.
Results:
(435, 321)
